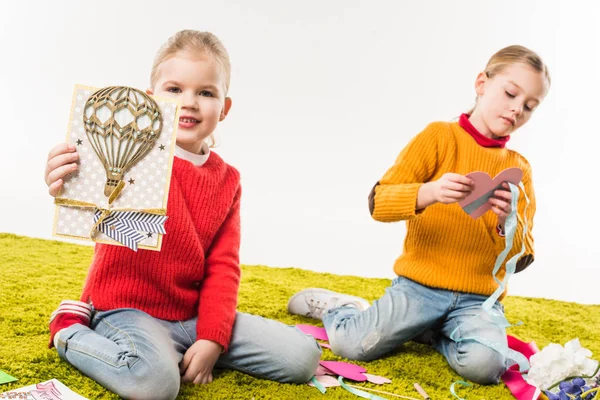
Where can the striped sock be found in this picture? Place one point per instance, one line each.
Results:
(69, 312)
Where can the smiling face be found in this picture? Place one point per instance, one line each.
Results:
(506, 101)
(198, 82)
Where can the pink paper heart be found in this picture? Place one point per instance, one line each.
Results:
(315, 331)
(326, 381)
(379, 380)
(347, 370)
(483, 185)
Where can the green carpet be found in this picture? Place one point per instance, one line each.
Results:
(38, 274)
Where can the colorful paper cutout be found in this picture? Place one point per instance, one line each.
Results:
(347, 370)
(325, 381)
(378, 380)
(6, 378)
(476, 204)
(315, 331)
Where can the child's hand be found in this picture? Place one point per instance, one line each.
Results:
(62, 160)
(451, 188)
(199, 360)
(501, 203)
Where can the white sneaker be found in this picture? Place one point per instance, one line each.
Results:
(314, 302)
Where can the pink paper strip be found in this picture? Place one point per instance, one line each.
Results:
(513, 378)
(317, 332)
(347, 370)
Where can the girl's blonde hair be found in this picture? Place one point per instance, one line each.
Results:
(196, 42)
(512, 55)
(193, 41)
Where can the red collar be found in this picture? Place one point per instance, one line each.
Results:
(479, 138)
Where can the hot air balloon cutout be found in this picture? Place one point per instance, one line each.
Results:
(125, 140)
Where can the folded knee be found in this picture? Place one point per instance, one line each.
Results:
(162, 385)
(484, 366)
(304, 364)
(349, 351)
(354, 348)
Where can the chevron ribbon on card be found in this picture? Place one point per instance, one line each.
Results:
(125, 226)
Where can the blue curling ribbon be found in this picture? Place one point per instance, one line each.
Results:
(453, 390)
(318, 385)
(357, 392)
(510, 229)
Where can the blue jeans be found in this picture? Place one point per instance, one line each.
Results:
(407, 310)
(137, 356)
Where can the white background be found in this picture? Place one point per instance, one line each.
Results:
(325, 95)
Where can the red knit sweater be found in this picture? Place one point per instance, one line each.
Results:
(196, 272)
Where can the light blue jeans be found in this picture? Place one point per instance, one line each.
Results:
(406, 311)
(137, 356)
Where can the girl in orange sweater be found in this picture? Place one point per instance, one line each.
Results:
(445, 270)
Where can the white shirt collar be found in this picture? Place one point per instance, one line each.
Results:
(196, 159)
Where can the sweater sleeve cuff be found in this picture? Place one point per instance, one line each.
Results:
(396, 202)
(216, 335)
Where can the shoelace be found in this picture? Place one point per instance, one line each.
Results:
(314, 310)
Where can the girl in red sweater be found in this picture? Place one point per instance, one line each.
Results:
(148, 320)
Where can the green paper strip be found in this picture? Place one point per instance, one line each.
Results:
(6, 378)
(318, 384)
(453, 391)
(357, 392)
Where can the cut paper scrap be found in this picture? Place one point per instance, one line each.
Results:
(378, 380)
(324, 380)
(476, 204)
(321, 370)
(513, 379)
(315, 331)
(6, 378)
(49, 390)
(347, 370)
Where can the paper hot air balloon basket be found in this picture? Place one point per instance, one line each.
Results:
(126, 141)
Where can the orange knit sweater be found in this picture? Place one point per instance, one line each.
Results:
(444, 247)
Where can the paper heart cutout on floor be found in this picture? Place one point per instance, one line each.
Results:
(347, 370)
(476, 204)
